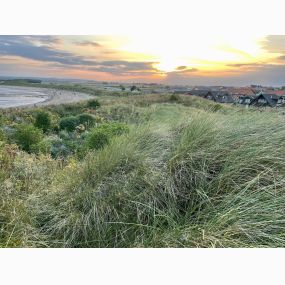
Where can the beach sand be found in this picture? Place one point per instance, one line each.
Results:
(14, 96)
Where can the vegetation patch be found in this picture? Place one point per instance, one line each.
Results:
(142, 171)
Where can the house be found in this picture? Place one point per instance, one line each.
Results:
(221, 97)
(238, 93)
(245, 100)
(281, 100)
(218, 96)
(280, 94)
(277, 92)
(264, 100)
(204, 93)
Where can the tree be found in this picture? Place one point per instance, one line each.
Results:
(134, 87)
(43, 121)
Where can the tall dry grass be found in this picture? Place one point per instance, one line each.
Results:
(186, 176)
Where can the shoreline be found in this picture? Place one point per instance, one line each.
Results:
(53, 96)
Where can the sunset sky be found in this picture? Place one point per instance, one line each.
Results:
(192, 59)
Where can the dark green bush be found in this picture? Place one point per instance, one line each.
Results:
(2, 135)
(174, 98)
(43, 121)
(68, 123)
(27, 135)
(100, 136)
(93, 103)
(86, 119)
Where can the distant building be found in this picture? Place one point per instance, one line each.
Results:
(204, 93)
(180, 90)
(281, 101)
(276, 92)
(238, 92)
(264, 100)
(222, 97)
(218, 96)
(246, 100)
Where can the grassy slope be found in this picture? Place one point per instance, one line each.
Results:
(184, 176)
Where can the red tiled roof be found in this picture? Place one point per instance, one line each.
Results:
(240, 91)
(276, 92)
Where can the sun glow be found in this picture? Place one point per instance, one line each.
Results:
(206, 52)
(146, 57)
(169, 64)
(176, 53)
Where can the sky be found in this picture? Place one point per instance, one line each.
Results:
(177, 58)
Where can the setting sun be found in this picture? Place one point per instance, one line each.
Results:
(143, 57)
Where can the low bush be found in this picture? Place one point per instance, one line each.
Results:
(93, 104)
(2, 135)
(27, 135)
(101, 135)
(87, 119)
(69, 123)
(43, 147)
(43, 121)
(174, 98)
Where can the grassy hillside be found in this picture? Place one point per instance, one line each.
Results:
(142, 171)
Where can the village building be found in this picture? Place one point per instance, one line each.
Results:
(263, 100)
(277, 92)
(221, 97)
(204, 93)
(246, 100)
(218, 96)
(242, 95)
(281, 101)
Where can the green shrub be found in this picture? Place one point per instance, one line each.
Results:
(100, 136)
(44, 146)
(2, 135)
(43, 121)
(93, 103)
(174, 98)
(86, 119)
(68, 123)
(27, 135)
(1, 119)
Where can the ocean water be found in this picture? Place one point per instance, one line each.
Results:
(20, 96)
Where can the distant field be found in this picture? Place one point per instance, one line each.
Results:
(142, 171)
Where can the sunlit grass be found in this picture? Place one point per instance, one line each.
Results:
(189, 173)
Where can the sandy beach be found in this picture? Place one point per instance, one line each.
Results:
(15, 96)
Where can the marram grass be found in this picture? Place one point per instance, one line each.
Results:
(185, 176)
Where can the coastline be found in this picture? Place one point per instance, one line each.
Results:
(51, 96)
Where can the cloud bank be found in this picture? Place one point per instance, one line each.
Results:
(90, 57)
